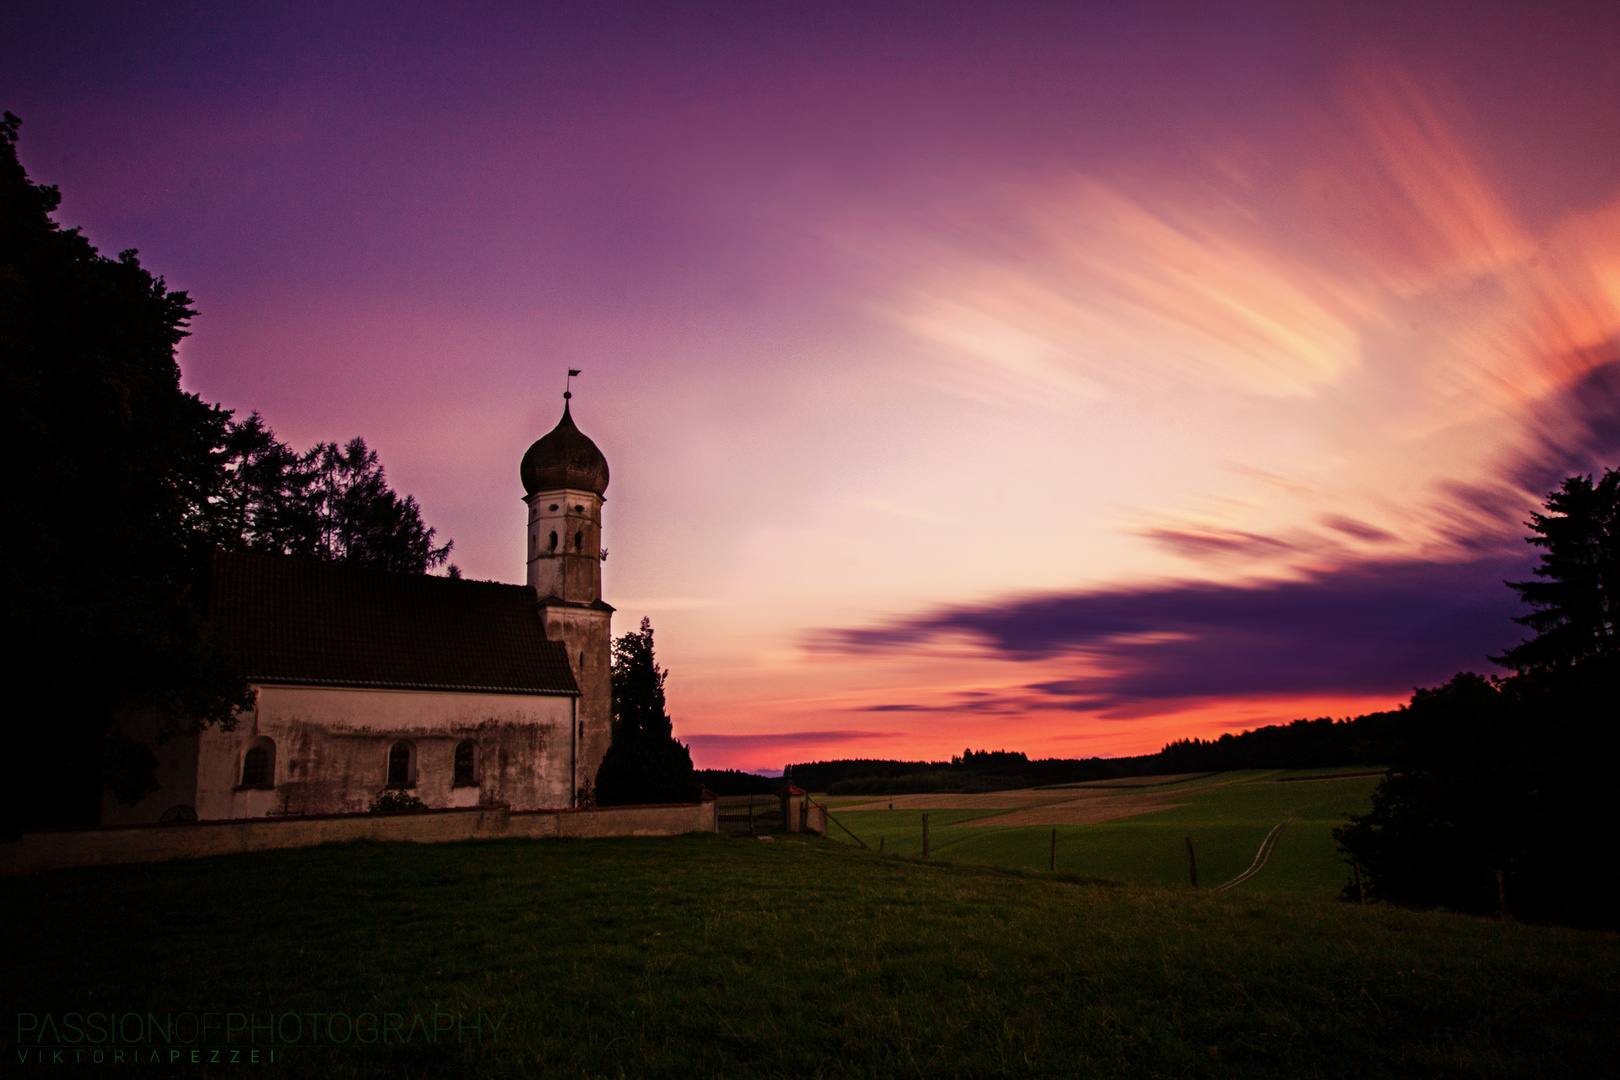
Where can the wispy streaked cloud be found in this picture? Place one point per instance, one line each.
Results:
(1373, 291)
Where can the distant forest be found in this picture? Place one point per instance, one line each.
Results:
(732, 782)
(1303, 744)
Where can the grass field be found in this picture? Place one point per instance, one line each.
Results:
(1226, 815)
(733, 957)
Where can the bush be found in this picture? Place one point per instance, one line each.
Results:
(396, 802)
(1499, 795)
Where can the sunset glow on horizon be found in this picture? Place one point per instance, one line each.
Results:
(1068, 382)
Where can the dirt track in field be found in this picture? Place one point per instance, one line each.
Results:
(1039, 807)
(1131, 782)
(1024, 798)
(1088, 811)
(985, 800)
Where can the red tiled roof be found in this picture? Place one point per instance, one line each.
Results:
(304, 621)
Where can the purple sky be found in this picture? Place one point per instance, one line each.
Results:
(1050, 376)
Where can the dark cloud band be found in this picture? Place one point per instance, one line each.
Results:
(789, 738)
(1369, 628)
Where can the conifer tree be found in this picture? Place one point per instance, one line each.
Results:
(332, 502)
(645, 763)
(1577, 596)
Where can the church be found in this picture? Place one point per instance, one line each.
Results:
(456, 692)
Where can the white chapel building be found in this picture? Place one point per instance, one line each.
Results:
(461, 693)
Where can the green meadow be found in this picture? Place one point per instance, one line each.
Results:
(1226, 816)
(718, 956)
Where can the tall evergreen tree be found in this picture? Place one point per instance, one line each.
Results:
(1577, 596)
(645, 763)
(262, 504)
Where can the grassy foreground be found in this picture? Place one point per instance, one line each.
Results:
(734, 957)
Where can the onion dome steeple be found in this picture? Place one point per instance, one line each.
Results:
(565, 457)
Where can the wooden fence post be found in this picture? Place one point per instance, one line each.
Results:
(750, 815)
(1361, 888)
(925, 836)
(880, 845)
(1192, 863)
(1054, 849)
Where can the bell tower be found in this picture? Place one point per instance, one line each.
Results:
(565, 476)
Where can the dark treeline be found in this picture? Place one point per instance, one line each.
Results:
(732, 782)
(1302, 744)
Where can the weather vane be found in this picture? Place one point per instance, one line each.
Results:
(568, 387)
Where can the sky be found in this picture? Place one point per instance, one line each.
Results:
(1050, 377)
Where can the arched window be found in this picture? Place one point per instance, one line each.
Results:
(259, 764)
(553, 540)
(400, 759)
(466, 765)
(579, 541)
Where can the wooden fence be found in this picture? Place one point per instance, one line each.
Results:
(789, 810)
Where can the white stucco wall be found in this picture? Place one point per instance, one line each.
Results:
(332, 746)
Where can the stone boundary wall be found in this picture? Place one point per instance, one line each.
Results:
(54, 849)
